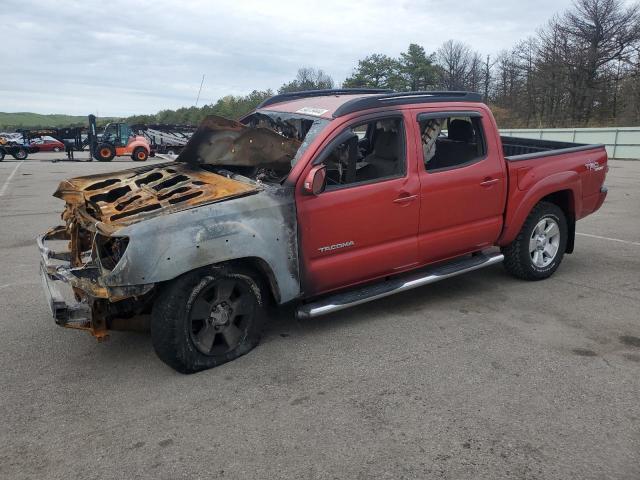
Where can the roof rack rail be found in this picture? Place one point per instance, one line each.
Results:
(284, 97)
(404, 98)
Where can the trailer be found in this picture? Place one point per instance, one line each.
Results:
(166, 139)
(73, 138)
(76, 137)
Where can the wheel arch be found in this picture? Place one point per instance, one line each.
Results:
(564, 199)
(563, 189)
(261, 268)
(139, 144)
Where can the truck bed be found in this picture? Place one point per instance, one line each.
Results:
(517, 148)
(537, 168)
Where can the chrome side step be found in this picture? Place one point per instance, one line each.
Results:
(340, 301)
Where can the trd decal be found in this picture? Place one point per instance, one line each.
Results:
(594, 166)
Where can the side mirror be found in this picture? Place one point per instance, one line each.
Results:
(316, 181)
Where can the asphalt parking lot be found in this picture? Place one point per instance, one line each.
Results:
(480, 376)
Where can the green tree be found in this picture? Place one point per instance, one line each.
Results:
(417, 69)
(377, 71)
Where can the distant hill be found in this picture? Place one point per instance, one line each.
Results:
(11, 121)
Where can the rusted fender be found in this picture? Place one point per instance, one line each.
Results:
(260, 226)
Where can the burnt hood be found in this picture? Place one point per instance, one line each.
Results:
(128, 196)
(220, 141)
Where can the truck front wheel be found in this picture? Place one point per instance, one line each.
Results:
(537, 251)
(207, 317)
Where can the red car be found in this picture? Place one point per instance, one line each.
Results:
(47, 144)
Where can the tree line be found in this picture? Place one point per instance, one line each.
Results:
(236, 106)
(580, 69)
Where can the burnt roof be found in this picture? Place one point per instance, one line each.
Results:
(356, 99)
(287, 97)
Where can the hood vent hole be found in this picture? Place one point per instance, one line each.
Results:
(184, 198)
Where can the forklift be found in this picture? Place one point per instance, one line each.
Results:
(117, 140)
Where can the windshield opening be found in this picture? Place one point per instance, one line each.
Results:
(303, 128)
(264, 146)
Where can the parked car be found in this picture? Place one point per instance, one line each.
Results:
(324, 199)
(47, 144)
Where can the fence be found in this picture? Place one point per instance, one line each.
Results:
(623, 142)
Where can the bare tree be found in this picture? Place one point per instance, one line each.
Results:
(308, 79)
(487, 77)
(574, 70)
(599, 32)
(454, 58)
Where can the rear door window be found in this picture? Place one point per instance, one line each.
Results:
(451, 141)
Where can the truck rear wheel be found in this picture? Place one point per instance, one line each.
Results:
(537, 251)
(206, 318)
(139, 155)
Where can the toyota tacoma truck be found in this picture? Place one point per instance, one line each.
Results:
(322, 199)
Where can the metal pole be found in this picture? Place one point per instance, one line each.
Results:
(615, 144)
(200, 90)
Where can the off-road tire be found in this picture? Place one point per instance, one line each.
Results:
(171, 320)
(139, 155)
(21, 154)
(517, 257)
(105, 153)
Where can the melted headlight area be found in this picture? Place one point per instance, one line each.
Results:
(110, 250)
(91, 305)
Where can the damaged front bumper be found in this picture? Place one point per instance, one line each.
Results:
(75, 295)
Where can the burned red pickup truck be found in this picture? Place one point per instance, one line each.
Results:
(327, 199)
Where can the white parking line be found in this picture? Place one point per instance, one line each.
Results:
(608, 238)
(17, 284)
(5, 185)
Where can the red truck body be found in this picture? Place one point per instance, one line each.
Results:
(424, 218)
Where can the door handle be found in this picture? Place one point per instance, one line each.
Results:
(489, 181)
(406, 199)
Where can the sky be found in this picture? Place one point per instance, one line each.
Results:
(118, 58)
